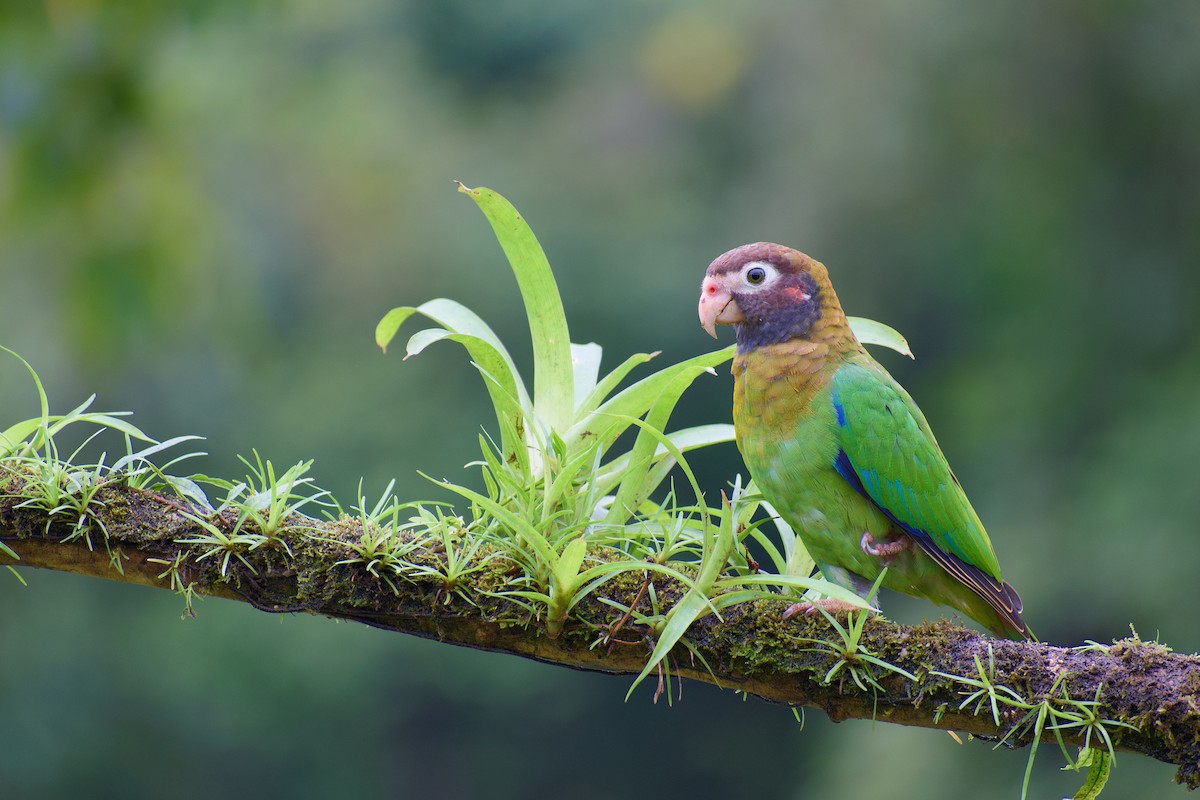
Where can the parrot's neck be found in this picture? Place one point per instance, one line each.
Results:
(825, 324)
(781, 326)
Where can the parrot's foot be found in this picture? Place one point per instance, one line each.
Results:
(885, 550)
(835, 607)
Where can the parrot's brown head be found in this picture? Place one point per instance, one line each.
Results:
(769, 292)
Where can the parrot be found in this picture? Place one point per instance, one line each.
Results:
(839, 448)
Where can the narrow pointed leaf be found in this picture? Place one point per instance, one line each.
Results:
(564, 581)
(718, 546)
(634, 488)
(459, 324)
(609, 383)
(693, 606)
(684, 440)
(527, 532)
(699, 436)
(144, 455)
(456, 318)
(566, 569)
(869, 331)
(43, 402)
(553, 385)
(831, 590)
(636, 400)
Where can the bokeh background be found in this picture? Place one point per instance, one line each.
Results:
(206, 206)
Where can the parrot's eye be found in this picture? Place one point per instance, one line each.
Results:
(755, 275)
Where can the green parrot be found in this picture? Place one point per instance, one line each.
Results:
(840, 449)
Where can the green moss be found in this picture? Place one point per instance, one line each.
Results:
(1149, 654)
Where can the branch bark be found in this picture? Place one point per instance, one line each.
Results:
(1135, 683)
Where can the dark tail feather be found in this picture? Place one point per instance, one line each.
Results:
(1011, 613)
(1002, 598)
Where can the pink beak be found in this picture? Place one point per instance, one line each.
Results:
(717, 306)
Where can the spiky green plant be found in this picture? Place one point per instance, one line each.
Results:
(553, 484)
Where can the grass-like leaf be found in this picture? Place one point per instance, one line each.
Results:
(459, 324)
(608, 384)
(553, 384)
(868, 331)
(718, 547)
(528, 534)
(636, 400)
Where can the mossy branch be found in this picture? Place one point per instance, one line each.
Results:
(1145, 697)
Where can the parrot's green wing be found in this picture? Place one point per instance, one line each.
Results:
(888, 454)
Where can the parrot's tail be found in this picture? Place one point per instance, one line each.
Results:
(1000, 597)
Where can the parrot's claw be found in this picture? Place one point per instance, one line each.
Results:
(809, 609)
(885, 550)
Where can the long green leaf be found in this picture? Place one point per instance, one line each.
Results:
(693, 606)
(831, 590)
(455, 317)
(700, 436)
(609, 383)
(684, 440)
(636, 400)
(563, 583)
(515, 432)
(459, 324)
(553, 383)
(697, 602)
(868, 331)
(43, 402)
(51, 425)
(634, 487)
(54, 423)
(144, 455)
(516, 524)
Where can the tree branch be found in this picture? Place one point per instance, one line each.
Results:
(307, 567)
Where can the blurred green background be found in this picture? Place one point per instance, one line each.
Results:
(206, 206)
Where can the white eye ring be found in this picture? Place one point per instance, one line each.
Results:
(757, 273)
